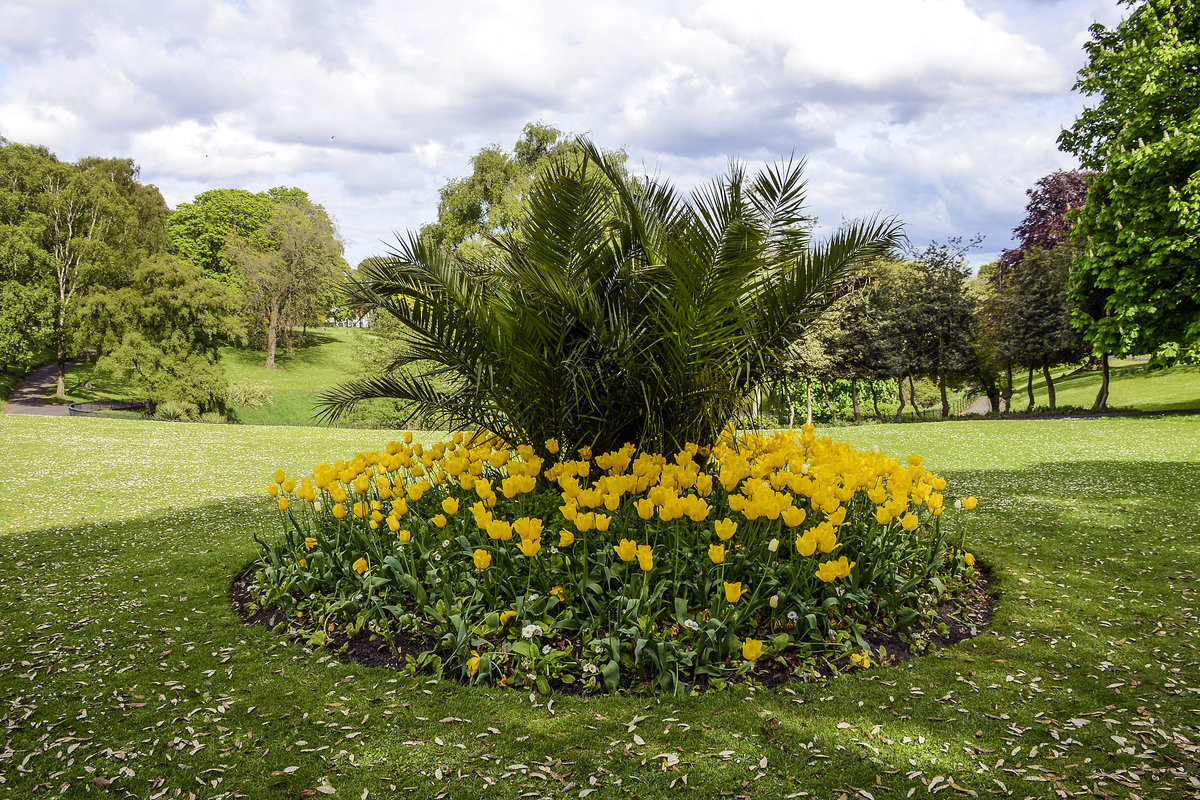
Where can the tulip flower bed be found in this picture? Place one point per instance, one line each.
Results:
(618, 569)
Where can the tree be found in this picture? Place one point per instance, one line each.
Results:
(26, 324)
(74, 227)
(287, 267)
(1045, 225)
(941, 314)
(200, 231)
(615, 311)
(163, 331)
(491, 200)
(1036, 327)
(1136, 285)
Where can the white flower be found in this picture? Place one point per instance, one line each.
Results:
(958, 504)
(553, 549)
(592, 668)
(793, 616)
(531, 630)
(599, 648)
(691, 624)
(445, 542)
(437, 556)
(533, 596)
(773, 545)
(774, 601)
(804, 468)
(546, 649)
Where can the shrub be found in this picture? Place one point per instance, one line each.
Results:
(177, 411)
(213, 418)
(616, 311)
(249, 394)
(663, 570)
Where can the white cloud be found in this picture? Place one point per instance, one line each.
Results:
(942, 111)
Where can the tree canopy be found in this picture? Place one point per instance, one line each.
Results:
(1136, 285)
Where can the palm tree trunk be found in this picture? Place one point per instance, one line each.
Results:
(1102, 396)
(1049, 383)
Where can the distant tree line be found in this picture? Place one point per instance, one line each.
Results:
(93, 260)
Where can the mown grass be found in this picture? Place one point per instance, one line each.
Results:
(122, 661)
(1133, 385)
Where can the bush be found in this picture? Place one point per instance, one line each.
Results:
(177, 411)
(213, 418)
(249, 394)
(615, 568)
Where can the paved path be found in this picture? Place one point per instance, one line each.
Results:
(29, 396)
(981, 406)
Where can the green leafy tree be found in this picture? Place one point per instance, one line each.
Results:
(491, 200)
(616, 311)
(288, 267)
(162, 332)
(941, 316)
(74, 228)
(200, 231)
(1036, 328)
(1136, 285)
(26, 324)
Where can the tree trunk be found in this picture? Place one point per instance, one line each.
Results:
(808, 399)
(1049, 383)
(1102, 396)
(1007, 394)
(828, 404)
(60, 353)
(942, 388)
(272, 325)
(912, 396)
(854, 399)
(1029, 388)
(875, 401)
(900, 395)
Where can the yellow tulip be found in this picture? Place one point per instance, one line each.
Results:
(645, 508)
(645, 557)
(552, 446)
(751, 649)
(361, 509)
(602, 521)
(558, 592)
(473, 662)
(360, 566)
(440, 520)
(529, 547)
(734, 591)
(283, 504)
(725, 529)
(506, 615)
(969, 558)
(565, 538)
(909, 521)
(626, 550)
(273, 489)
(404, 535)
(793, 517)
(969, 502)
(450, 505)
(482, 558)
(339, 511)
(806, 543)
(716, 553)
(309, 542)
(279, 476)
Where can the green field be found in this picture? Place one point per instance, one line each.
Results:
(1132, 386)
(122, 661)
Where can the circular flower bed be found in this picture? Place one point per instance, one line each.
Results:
(619, 568)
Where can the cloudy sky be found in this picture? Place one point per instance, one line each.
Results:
(942, 112)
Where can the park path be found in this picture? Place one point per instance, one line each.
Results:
(981, 406)
(30, 395)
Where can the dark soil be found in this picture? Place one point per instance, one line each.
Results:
(972, 609)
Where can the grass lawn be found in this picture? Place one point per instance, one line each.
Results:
(1131, 386)
(124, 671)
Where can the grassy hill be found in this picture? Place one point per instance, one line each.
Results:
(1132, 386)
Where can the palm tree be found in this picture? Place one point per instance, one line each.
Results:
(615, 312)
